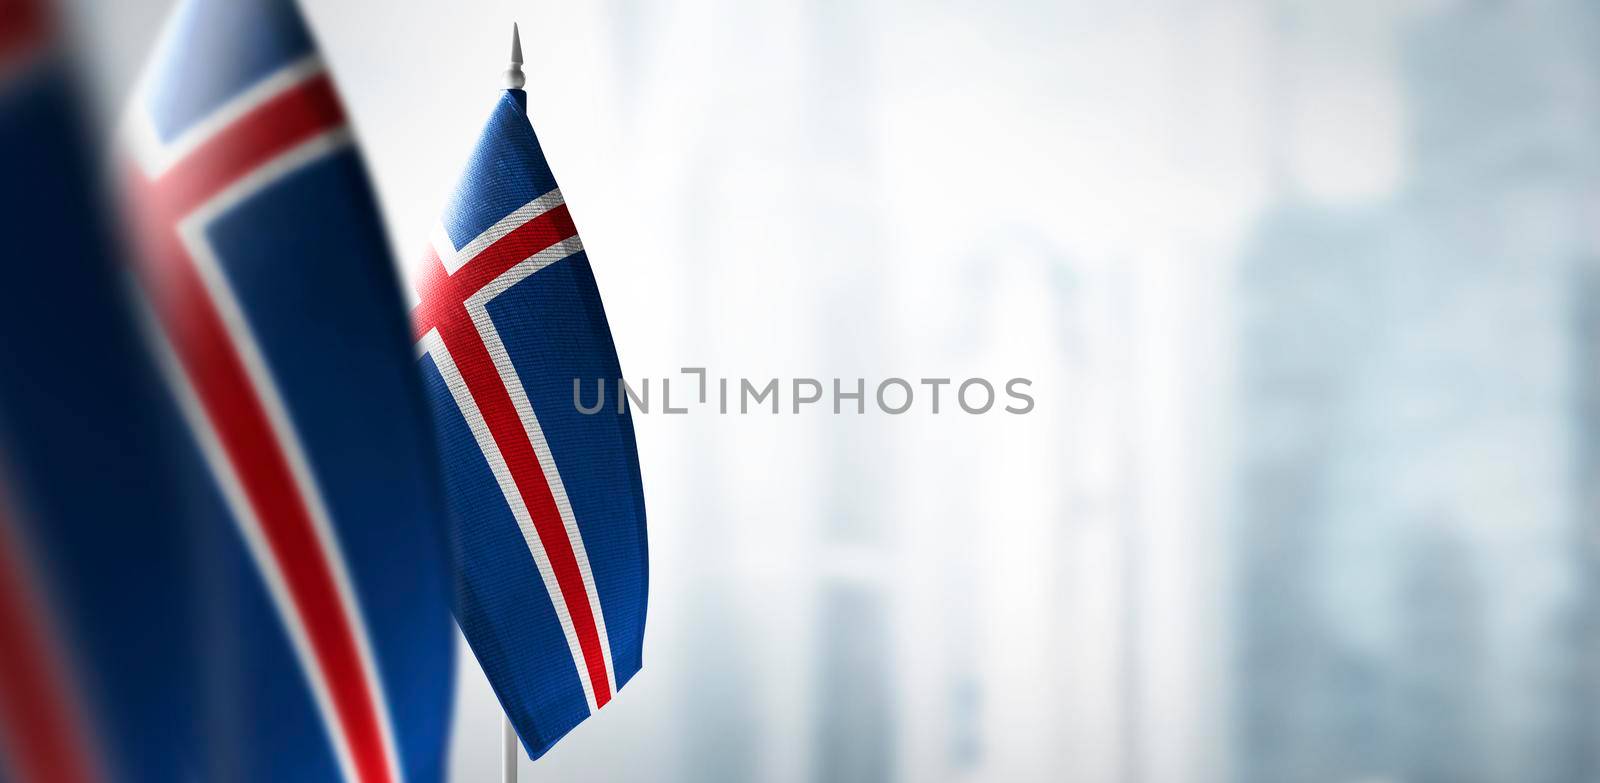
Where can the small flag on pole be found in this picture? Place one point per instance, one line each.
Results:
(547, 521)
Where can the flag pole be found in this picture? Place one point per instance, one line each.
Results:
(514, 80)
(508, 750)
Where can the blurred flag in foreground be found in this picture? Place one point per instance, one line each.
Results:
(547, 509)
(99, 646)
(266, 274)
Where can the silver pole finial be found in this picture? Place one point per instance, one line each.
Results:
(514, 77)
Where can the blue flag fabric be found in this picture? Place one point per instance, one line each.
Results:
(308, 462)
(547, 518)
(99, 645)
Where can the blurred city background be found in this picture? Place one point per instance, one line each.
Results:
(1309, 292)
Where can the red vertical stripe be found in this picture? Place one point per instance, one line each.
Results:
(24, 27)
(233, 407)
(443, 308)
(40, 738)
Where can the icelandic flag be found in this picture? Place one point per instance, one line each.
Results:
(98, 650)
(266, 279)
(547, 520)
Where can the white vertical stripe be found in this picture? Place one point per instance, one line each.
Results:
(442, 244)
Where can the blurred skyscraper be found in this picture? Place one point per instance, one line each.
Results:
(1416, 441)
(854, 708)
(1059, 562)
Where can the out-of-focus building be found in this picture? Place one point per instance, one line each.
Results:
(1414, 600)
(855, 709)
(1305, 687)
